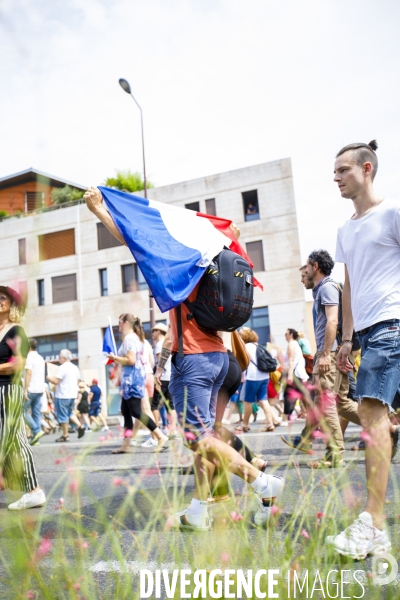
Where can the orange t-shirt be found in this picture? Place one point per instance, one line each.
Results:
(196, 339)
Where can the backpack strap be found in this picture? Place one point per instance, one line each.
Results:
(180, 334)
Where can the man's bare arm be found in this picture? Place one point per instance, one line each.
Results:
(94, 202)
(164, 356)
(332, 316)
(348, 325)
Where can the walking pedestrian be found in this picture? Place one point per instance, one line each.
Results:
(133, 381)
(95, 412)
(332, 398)
(295, 373)
(66, 381)
(17, 467)
(34, 389)
(369, 246)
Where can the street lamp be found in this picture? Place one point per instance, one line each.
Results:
(127, 88)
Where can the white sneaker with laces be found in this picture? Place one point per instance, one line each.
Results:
(267, 498)
(360, 539)
(184, 520)
(105, 428)
(32, 500)
(150, 443)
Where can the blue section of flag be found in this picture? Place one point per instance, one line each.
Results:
(108, 343)
(168, 266)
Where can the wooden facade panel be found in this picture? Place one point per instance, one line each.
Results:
(56, 244)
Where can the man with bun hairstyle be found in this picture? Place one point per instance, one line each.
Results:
(369, 246)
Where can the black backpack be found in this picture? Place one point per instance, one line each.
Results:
(265, 361)
(225, 298)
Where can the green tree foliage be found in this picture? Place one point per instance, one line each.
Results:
(127, 181)
(66, 194)
(3, 213)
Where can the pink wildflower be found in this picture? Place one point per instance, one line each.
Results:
(102, 438)
(118, 481)
(128, 433)
(305, 534)
(189, 435)
(169, 523)
(45, 547)
(74, 486)
(235, 516)
(77, 586)
(224, 558)
(30, 594)
(274, 509)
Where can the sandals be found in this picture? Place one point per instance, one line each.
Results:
(63, 439)
(268, 429)
(326, 463)
(121, 451)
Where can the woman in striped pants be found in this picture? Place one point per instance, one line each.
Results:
(17, 469)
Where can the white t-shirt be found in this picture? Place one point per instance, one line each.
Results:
(370, 248)
(36, 364)
(147, 351)
(253, 373)
(157, 350)
(68, 373)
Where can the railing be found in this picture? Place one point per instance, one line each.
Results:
(42, 209)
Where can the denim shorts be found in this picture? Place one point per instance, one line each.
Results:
(64, 409)
(379, 373)
(94, 409)
(254, 391)
(194, 385)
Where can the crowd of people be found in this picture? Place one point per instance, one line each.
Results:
(202, 376)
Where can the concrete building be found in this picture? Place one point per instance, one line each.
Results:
(76, 274)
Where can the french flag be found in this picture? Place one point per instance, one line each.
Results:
(171, 245)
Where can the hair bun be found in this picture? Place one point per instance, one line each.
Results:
(373, 145)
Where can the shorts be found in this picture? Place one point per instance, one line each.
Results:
(194, 385)
(158, 400)
(64, 409)
(233, 377)
(379, 374)
(83, 408)
(254, 391)
(94, 410)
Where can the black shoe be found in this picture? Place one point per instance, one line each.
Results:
(296, 442)
(81, 432)
(395, 439)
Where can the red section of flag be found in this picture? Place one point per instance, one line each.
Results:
(223, 225)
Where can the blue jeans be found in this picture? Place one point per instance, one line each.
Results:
(379, 373)
(194, 385)
(33, 403)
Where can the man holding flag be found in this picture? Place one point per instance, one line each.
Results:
(173, 247)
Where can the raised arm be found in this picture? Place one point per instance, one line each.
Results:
(94, 202)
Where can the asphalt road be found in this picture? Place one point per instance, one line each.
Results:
(98, 472)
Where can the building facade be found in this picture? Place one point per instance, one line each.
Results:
(76, 275)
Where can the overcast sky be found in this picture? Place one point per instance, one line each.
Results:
(223, 84)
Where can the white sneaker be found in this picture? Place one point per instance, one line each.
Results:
(29, 501)
(105, 428)
(284, 423)
(136, 443)
(267, 498)
(360, 539)
(150, 443)
(184, 520)
(226, 421)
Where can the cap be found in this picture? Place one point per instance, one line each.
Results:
(95, 381)
(12, 294)
(160, 327)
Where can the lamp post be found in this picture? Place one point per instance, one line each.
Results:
(127, 88)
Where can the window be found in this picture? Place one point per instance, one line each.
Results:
(259, 321)
(33, 200)
(105, 239)
(210, 207)
(64, 288)
(256, 255)
(103, 282)
(250, 205)
(56, 244)
(22, 251)
(132, 278)
(49, 346)
(193, 206)
(40, 292)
